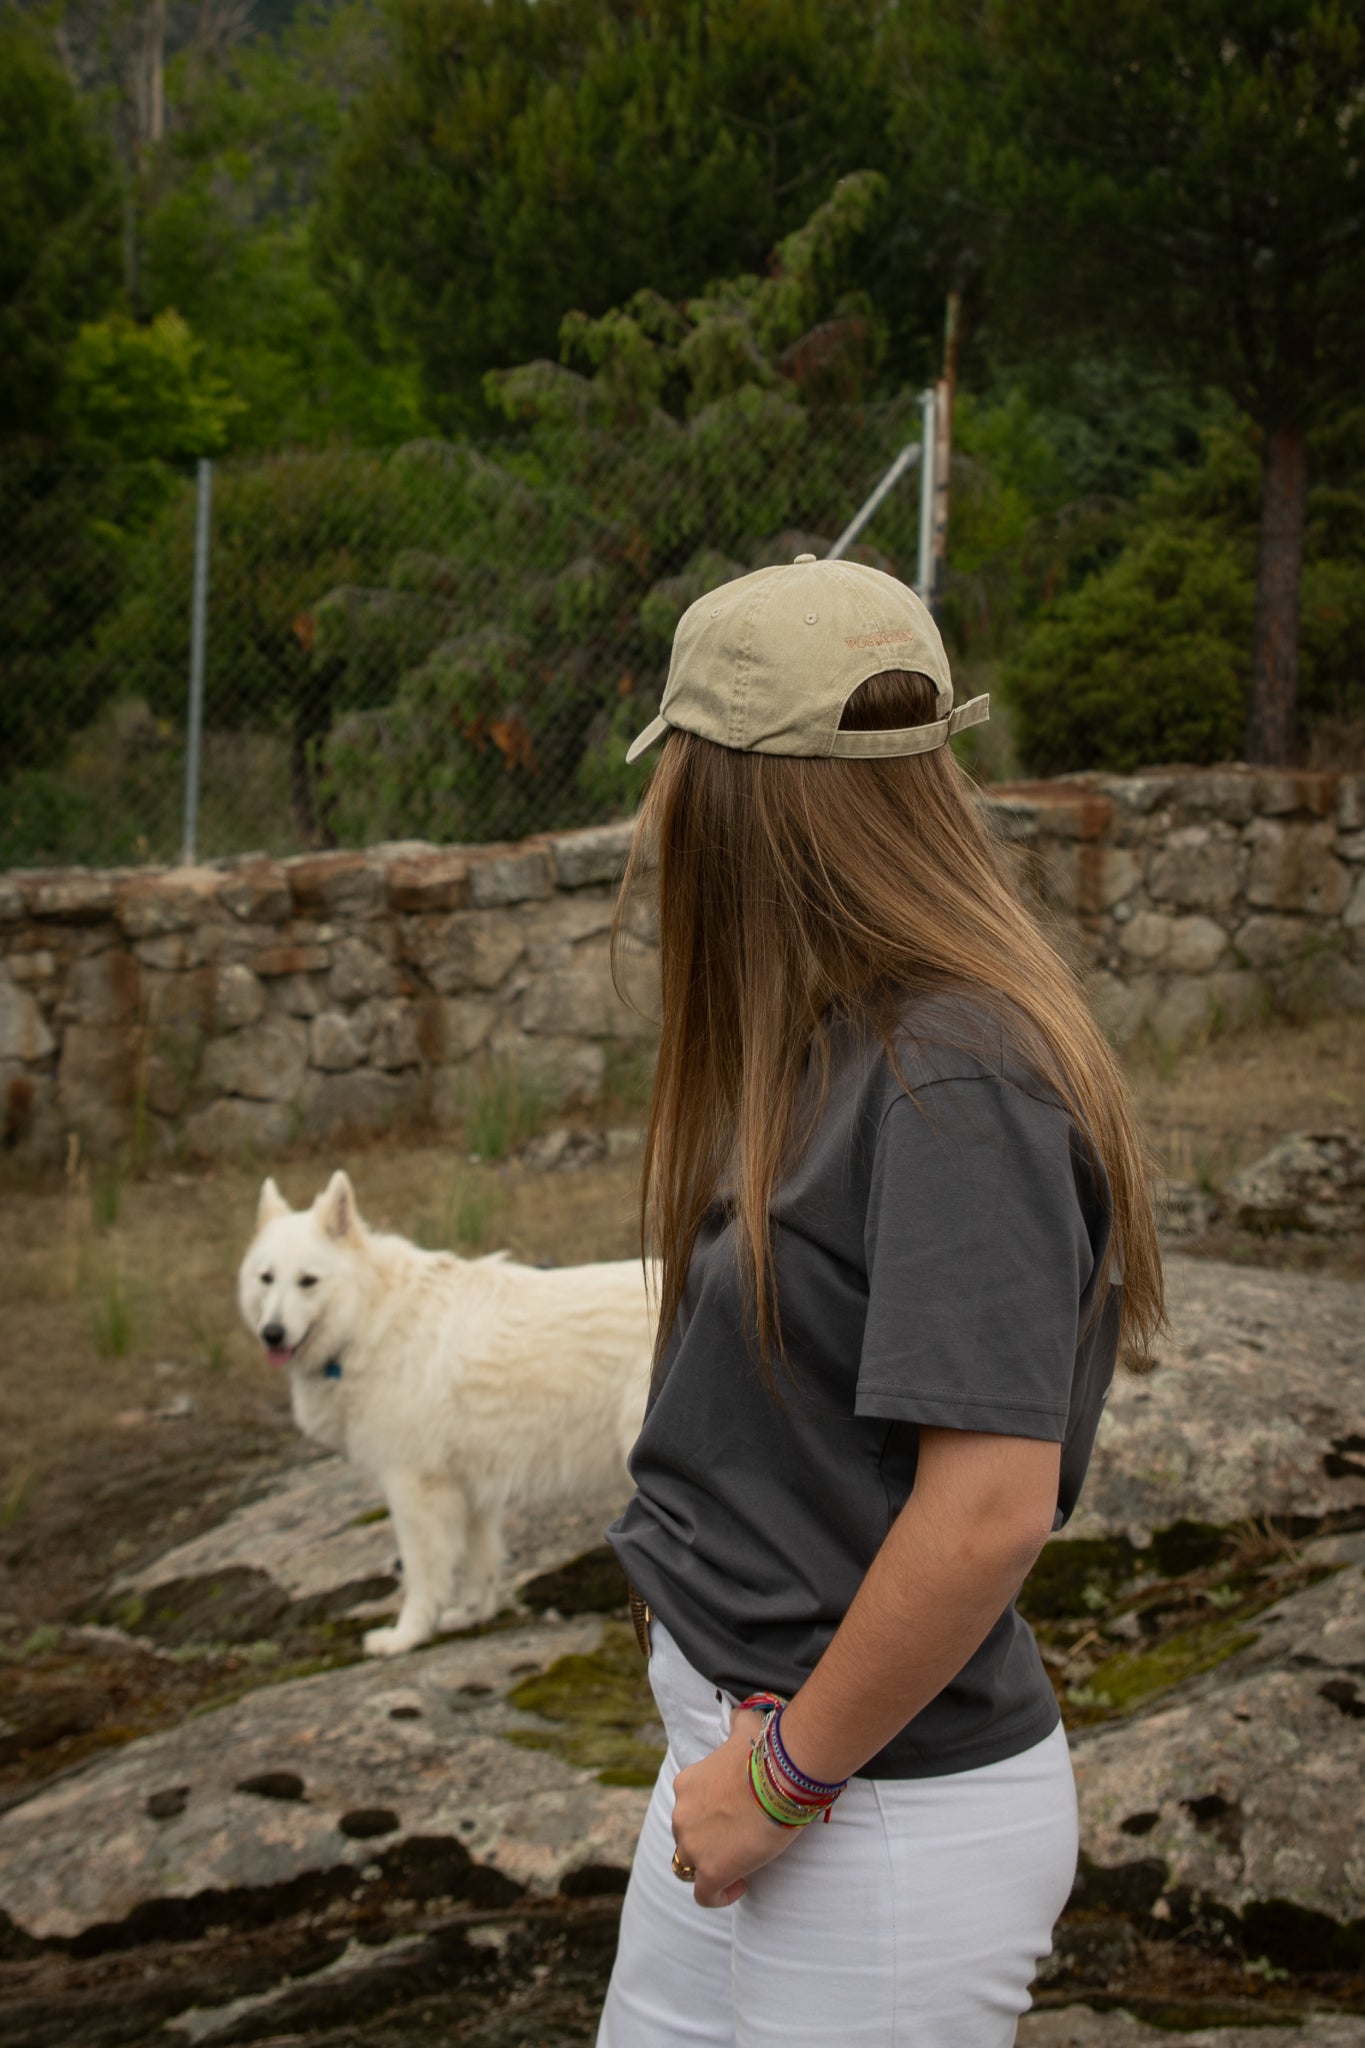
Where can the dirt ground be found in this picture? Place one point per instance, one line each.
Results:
(1213, 1110)
(134, 1411)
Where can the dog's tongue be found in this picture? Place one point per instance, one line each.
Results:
(279, 1355)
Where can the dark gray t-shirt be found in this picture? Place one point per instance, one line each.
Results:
(936, 1259)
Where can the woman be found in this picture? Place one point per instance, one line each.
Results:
(902, 1221)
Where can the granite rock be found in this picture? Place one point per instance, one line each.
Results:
(238, 997)
(1308, 1181)
(104, 989)
(332, 1043)
(1256, 1387)
(358, 971)
(596, 854)
(23, 1033)
(334, 885)
(1198, 868)
(362, 1101)
(265, 1061)
(441, 1766)
(390, 1034)
(466, 950)
(513, 877)
(578, 998)
(1294, 867)
(1245, 1782)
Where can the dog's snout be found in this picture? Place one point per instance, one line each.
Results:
(273, 1335)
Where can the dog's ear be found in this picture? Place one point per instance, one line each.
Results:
(336, 1207)
(270, 1205)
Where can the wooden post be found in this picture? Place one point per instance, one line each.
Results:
(943, 447)
(156, 66)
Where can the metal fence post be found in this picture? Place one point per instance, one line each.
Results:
(924, 576)
(909, 454)
(199, 605)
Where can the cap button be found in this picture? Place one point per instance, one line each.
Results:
(803, 558)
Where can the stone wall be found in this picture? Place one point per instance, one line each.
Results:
(250, 1003)
(1199, 896)
(247, 1004)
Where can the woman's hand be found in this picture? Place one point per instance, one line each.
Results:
(717, 1824)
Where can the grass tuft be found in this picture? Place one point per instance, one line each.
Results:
(628, 1076)
(106, 1193)
(208, 1338)
(462, 1221)
(473, 1213)
(111, 1319)
(501, 1108)
(17, 1497)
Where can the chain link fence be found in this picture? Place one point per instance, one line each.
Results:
(445, 641)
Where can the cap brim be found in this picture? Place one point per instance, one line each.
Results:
(655, 730)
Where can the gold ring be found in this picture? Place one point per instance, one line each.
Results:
(686, 1871)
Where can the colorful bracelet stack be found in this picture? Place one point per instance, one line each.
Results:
(787, 1796)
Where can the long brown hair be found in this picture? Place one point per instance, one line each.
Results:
(790, 890)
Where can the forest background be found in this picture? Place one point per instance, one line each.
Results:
(515, 325)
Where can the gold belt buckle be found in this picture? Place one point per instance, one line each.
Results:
(640, 1616)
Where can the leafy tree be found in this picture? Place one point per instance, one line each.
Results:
(673, 448)
(144, 393)
(521, 157)
(226, 238)
(64, 556)
(1182, 177)
(285, 531)
(58, 225)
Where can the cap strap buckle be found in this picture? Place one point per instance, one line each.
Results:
(911, 739)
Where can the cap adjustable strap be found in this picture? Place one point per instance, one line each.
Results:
(912, 739)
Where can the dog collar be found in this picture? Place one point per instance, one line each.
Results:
(332, 1369)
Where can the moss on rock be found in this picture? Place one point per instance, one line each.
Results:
(1128, 1680)
(601, 1711)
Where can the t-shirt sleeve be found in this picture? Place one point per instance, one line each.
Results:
(978, 1254)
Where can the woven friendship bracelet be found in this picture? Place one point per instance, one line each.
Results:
(785, 1796)
(762, 1702)
(779, 1808)
(806, 1802)
(773, 1736)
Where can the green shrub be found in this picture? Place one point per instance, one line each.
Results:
(1149, 658)
(1147, 661)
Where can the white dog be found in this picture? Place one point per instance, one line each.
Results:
(463, 1385)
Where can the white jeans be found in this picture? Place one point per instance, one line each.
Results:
(915, 1919)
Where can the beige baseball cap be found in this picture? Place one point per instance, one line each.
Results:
(767, 663)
